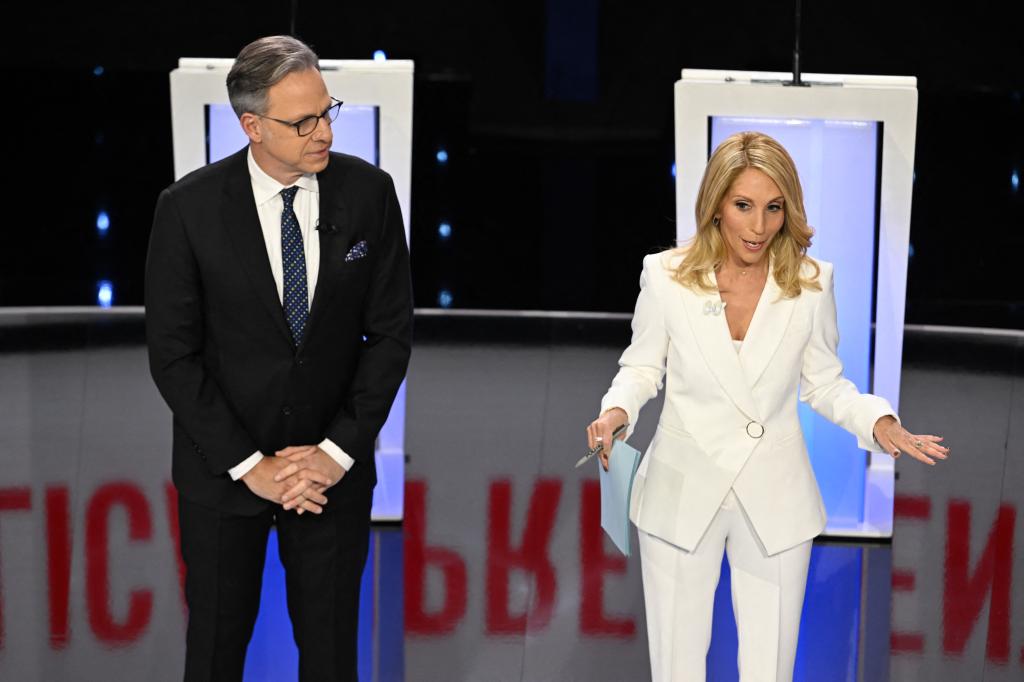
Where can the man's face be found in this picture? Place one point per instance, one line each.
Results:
(276, 146)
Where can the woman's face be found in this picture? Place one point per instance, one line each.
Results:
(750, 215)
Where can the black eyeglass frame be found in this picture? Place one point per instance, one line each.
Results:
(330, 115)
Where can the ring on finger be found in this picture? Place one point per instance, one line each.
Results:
(918, 444)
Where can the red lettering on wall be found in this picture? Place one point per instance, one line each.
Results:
(916, 507)
(11, 499)
(171, 500)
(912, 507)
(419, 557)
(906, 643)
(903, 581)
(531, 556)
(595, 563)
(97, 567)
(965, 594)
(58, 552)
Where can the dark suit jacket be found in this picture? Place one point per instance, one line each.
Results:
(221, 352)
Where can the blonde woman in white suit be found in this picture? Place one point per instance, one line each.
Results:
(737, 324)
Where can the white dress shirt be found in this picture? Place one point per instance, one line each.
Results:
(269, 207)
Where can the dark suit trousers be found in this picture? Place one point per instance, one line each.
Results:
(323, 557)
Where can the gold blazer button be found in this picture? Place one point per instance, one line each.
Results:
(755, 430)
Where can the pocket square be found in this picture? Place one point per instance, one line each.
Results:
(356, 252)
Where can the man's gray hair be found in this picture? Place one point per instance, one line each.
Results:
(260, 65)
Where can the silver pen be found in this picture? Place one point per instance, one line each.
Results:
(600, 446)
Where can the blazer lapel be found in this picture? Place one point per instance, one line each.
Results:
(766, 331)
(243, 226)
(715, 344)
(334, 230)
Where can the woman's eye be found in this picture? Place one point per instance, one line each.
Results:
(742, 205)
(774, 208)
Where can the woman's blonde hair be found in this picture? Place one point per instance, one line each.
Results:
(706, 252)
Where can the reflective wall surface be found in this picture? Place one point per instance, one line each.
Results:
(500, 570)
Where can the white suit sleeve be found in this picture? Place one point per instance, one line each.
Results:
(642, 365)
(823, 385)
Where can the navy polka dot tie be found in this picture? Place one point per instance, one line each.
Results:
(296, 300)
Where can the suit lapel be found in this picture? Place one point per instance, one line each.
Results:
(243, 226)
(766, 331)
(715, 344)
(334, 229)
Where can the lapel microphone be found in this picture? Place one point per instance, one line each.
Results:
(329, 228)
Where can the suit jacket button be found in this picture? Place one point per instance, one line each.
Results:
(755, 430)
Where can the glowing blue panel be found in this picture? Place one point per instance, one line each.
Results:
(839, 167)
(829, 624)
(272, 655)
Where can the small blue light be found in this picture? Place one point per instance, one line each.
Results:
(444, 299)
(1015, 180)
(444, 230)
(442, 156)
(98, 71)
(379, 56)
(673, 169)
(102, 222)
(910, 250)
(105, 294)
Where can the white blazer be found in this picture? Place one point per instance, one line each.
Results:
(730, 419)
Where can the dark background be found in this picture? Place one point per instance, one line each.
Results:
(557, 118)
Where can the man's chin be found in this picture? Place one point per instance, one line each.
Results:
(315, 166)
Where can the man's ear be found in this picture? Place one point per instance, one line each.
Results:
(252, 127)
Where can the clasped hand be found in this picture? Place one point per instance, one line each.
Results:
(296, 478)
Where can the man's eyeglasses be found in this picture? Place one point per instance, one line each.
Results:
(307, 125)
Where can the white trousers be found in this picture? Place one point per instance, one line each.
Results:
(679, 595)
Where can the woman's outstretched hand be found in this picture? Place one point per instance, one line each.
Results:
(896, 440)
(601, 430)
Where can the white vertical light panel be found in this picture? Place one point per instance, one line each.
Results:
(832, 101)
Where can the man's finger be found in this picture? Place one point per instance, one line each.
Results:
(294, 449)
(316, 476)
(312, 494)
(300, 455)
(290, 497)
(310, 506)
(286, 472)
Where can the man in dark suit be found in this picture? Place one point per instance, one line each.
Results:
(278, 318)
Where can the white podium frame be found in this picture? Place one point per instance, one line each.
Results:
(386, 84)
(701, 94)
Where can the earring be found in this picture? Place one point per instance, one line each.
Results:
(715, 221)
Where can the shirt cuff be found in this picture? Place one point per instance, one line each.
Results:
(337, 454)
(245, 466)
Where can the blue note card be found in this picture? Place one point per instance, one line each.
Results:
(616, 485)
